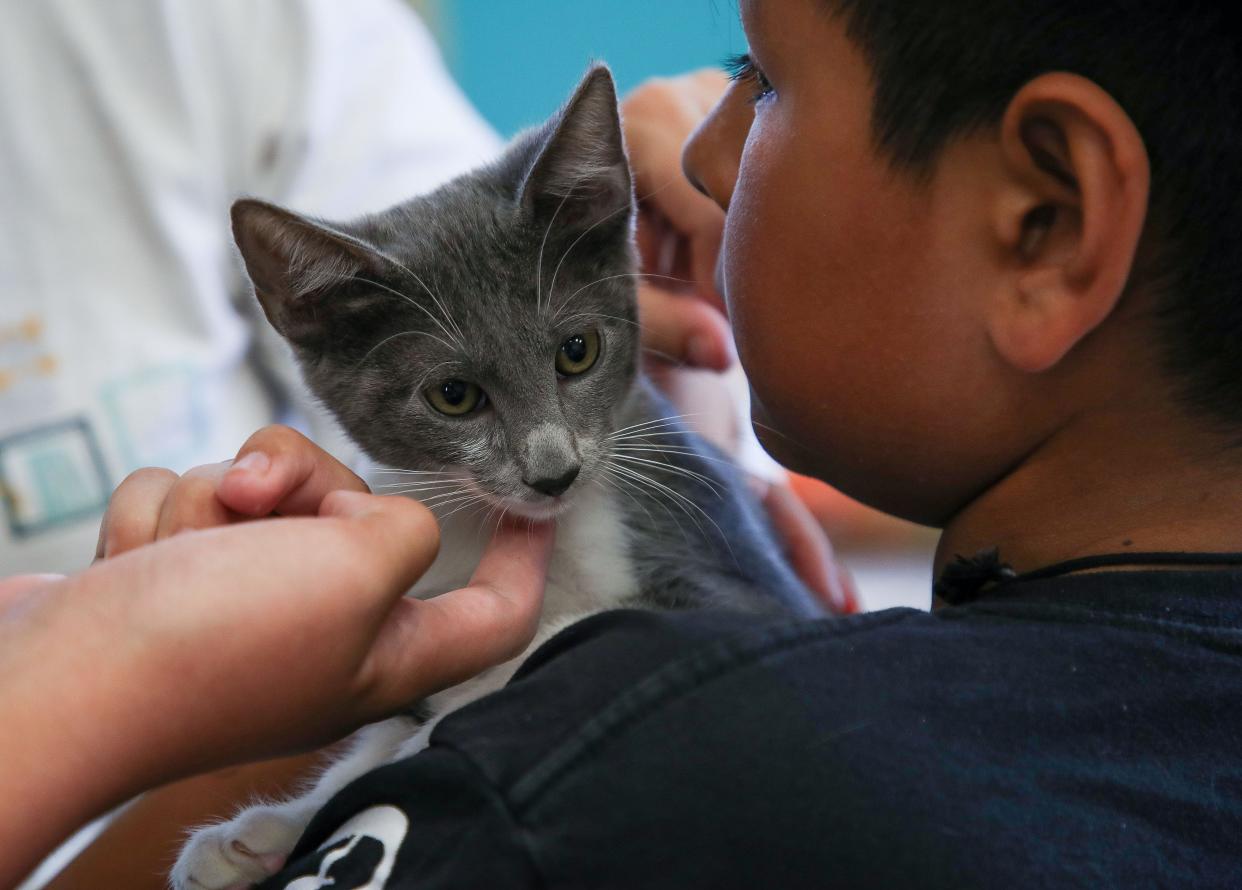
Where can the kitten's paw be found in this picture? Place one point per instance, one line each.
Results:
(238, 853)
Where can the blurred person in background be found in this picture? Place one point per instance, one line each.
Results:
(128, 335)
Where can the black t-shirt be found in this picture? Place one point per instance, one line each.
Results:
(1084, 731)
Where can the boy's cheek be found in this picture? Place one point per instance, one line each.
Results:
(827, 274)
(793, 269)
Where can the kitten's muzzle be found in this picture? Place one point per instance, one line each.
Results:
(554, 485)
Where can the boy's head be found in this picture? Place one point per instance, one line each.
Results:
(960, 228)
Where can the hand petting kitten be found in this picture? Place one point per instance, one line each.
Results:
(235, 643)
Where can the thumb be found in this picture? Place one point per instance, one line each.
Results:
(428, 645)
(399, 536)
(682, 328)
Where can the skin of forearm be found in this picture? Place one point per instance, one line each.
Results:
(92, 712)
(57, 750)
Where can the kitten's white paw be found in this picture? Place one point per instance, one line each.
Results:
(240, 852)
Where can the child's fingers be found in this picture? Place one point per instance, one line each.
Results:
(399, 540)
(684, 329)
(191, 502)
(808, 549)
(429, 645)
(689, 246)
(133, 513)
(279, 470)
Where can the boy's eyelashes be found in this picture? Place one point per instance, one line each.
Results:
(742, 67)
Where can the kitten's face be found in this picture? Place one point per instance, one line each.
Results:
(514, 392)
(488, 330)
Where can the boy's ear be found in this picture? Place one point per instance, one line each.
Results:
(581, 175)
(294, 262)
(1071, 213)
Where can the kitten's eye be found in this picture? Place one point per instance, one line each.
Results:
(578, 353)
(455, 397)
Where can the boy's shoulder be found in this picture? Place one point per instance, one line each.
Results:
(1027, 634)
(1078, 730)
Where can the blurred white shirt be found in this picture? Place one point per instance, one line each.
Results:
(128, 337)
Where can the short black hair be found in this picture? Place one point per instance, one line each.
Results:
(942, 69)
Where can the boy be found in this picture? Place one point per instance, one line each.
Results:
(979, 264)
(981, 261)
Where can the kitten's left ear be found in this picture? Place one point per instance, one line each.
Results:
(581, 174)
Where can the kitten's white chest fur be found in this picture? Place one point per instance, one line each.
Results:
(590, 570)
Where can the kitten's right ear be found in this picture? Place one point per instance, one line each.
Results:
(294, 262)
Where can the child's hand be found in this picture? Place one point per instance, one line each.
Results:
(308, 614)
(278, 471)
(248, 641)
(808, 549)
(233, 643)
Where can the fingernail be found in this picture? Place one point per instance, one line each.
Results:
(255, 462)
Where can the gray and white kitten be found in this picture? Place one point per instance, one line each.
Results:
(485, 338)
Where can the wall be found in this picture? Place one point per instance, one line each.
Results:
(519, 59)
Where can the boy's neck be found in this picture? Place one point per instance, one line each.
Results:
(1110, 482)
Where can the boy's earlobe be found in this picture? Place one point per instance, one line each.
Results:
(1072, 216)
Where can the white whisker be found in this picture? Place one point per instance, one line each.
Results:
(565, 302)
(687, 502)
(455, 338)
(577, 315)
(787, 438)
(654, 448)
(468, 502)
(542, 245)
(394, 337)
(403, 472)
(654, 434)
(439, 305)
(629, 483)
(658, 422)
(628, 206)
(418, 486)
(440, 498)
(613, 482)
(675, 470)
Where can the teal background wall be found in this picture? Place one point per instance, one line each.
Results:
(519, 59)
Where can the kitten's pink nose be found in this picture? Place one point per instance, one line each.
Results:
(555, 485)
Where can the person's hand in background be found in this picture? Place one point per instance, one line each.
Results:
(679, 230)
(226, 643)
